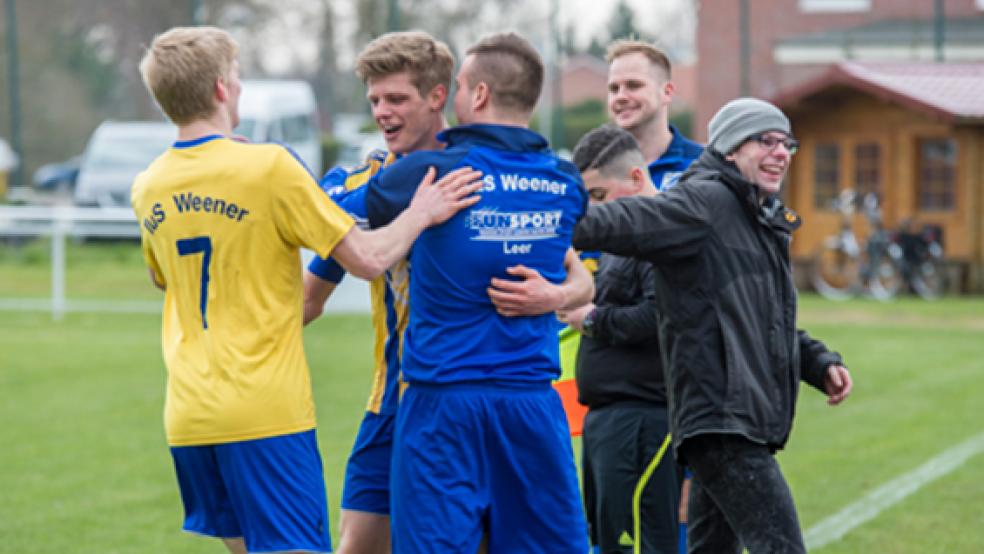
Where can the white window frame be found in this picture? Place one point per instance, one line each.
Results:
(838, 6)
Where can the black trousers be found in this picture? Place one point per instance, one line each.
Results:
(738, 498)
(619, 444)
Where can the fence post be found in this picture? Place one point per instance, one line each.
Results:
(58, 267)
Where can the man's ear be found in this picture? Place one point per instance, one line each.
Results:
(481, 96)
(221, 90)
(668, 90)
(638, 176)
(437, 98)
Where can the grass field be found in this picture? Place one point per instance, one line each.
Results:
(84, 467)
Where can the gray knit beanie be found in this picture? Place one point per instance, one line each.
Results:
(741, 118)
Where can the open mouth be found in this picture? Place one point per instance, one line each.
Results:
(774, 171)
(391, 131)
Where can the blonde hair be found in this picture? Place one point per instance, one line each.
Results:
(627, 46)
(181, 67)
(428, 61)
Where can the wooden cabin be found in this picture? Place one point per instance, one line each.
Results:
(911, 132)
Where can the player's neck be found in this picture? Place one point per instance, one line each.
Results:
(491, 117)
(432, 142)
(654, 138)
(217, 124)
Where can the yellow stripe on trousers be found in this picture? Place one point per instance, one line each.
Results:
(637, 496)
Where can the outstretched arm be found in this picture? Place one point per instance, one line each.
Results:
(367, 254)
(657, 228)
(534, 295)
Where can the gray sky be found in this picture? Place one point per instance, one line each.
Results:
(670, 20)
(655, 16)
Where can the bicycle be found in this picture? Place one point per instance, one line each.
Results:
(843, 269)
(919, 255)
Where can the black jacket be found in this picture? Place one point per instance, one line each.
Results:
(621, 360)
(727, 302)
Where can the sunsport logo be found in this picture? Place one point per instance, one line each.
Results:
(492, 224)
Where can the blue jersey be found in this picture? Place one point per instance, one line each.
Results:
(388, 292)
(529, 205)
(337, 183)
(666, 170)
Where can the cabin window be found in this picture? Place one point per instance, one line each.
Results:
(937, 174)
(867, 169)
(826, 169)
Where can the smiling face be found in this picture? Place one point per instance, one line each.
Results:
(637, 91)
(763, 166)
(409, 121)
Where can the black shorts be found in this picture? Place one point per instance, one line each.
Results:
(620, 442)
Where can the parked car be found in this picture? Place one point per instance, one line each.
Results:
(115, 154)
(57, 176)
(282, 111)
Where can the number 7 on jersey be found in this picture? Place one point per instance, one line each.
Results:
(194, 245)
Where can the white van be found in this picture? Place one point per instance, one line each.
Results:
(115, 154)
(282, 111)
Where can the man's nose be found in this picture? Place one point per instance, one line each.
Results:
(382, 109)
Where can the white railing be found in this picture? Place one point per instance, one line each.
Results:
(61, 222)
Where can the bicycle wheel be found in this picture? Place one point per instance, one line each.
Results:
(884, 279)
(835, 273)
(928, 279)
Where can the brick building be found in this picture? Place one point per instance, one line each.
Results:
(791, 41)
(871, 106)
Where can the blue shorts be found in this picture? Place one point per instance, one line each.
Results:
(367, 475)
(470, 459)
(269, 491)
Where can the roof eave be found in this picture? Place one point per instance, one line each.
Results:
(840, 74)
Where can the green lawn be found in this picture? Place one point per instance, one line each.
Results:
(93, 271)
(84, 466)
(918, 373)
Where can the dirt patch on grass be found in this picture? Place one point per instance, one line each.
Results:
(854, 316)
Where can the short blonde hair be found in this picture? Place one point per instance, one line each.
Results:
(428, 61)
(181, 67)
(626, 46)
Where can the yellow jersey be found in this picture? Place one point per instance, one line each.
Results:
(388, 292)
(221, 227)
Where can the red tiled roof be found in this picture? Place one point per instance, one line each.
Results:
(951, 91)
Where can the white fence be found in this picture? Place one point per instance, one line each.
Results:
(62, 222)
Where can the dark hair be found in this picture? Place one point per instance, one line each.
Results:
(511, 68)
(604, 147)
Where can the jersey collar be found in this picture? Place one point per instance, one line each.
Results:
(500, 137)
(195, 142)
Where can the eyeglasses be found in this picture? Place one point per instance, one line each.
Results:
(770, 142)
